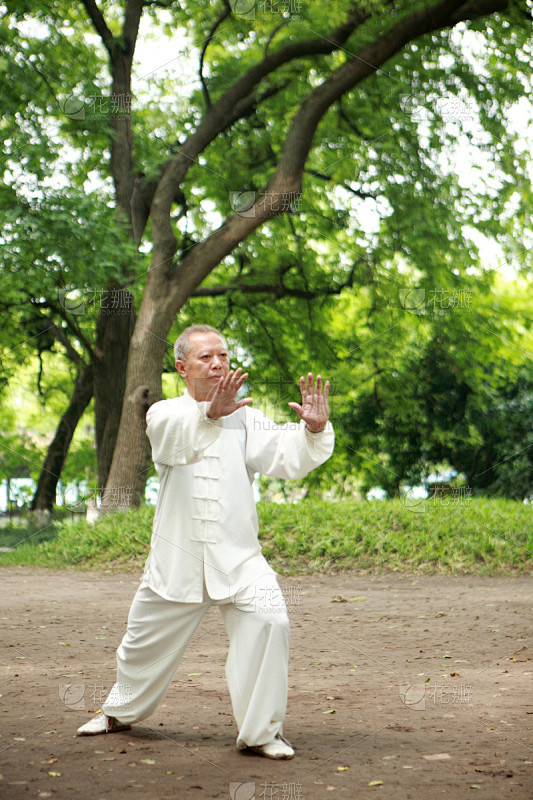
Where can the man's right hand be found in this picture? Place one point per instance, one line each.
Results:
(223, 401)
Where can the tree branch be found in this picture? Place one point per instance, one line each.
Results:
(207, 42)
(222, 113)
(286, 181)
(130, 29)
(62, 337)
(357, 192)
(60, 311)
(271, 37)
(99, 23)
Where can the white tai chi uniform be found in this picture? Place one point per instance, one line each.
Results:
(205, 551)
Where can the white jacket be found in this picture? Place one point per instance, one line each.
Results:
(205, 525)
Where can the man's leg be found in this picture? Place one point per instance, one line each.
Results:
(157, 636)
(257, 666)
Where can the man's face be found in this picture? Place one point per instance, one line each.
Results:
(205, 365)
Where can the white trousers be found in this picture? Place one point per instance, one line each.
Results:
(159, 632)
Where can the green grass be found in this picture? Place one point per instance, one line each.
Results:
(479, 536)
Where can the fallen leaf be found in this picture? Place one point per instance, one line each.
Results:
(376, 783)
(475, 786)
(147, 761)
(170, 772)
(65, 644)
(341, 769)
(357, 599)
(331, 711)
(194, 674)
(339, 599)
(55, 774)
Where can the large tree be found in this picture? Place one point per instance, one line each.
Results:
(340, 106)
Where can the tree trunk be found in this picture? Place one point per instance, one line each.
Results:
(169, 284)
(45, 494)
(113, 331)
(132, 455)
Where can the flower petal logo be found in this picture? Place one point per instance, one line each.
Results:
(243, 8)
(413, 695)
(73, 695)
(242, 791)
(72, 301)
(414, 300)
(243, 203)
(73, 107)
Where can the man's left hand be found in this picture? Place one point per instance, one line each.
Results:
(314, 409)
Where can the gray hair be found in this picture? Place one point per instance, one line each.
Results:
(182, 346)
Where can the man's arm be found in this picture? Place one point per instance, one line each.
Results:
(292, 451)
(179, 432)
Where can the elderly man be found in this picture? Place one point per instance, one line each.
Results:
(207, 445)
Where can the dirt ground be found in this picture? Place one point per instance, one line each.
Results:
(400, 687)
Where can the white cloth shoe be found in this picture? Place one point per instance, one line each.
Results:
(102, 724)
(277, 748)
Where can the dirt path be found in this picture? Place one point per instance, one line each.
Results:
(423, 683)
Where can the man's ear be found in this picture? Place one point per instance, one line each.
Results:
(180, 366)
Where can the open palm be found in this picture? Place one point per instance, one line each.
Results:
(314, 409)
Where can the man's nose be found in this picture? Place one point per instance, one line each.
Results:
(216, 362)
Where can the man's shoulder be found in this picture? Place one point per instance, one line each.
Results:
(168, 406)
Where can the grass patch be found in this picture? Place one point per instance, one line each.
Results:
(480, 536)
